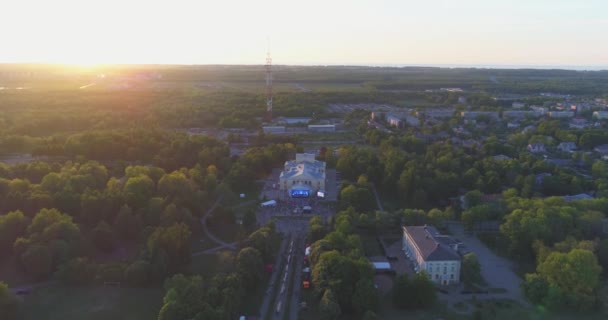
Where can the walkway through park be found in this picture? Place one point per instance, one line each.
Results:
(221, 244)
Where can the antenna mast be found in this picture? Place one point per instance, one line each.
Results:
(269, 84)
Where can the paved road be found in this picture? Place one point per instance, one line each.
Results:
(283, 297)
(278, 270)
(294, 305)
(497, 271)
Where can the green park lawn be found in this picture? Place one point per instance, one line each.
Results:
(59, 302)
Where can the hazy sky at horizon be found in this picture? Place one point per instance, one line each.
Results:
(515, 32)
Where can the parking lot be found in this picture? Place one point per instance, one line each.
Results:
(497, 271)
(402, 264)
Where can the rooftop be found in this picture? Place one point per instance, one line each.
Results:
(304, 165)
(432, 245)
(580, 196)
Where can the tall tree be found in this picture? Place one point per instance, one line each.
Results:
(12, 225)
(471, 269)
(250, 266)
(9, 304)
(576, 273)
(328, 307)
(365, 297)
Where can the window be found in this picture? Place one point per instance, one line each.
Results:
(452, 276)
(436, 277)
(445, 270)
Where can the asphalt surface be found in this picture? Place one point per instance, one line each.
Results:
(282, 298)
(277, 271)
(294, 305)
(497, 271)
(293, 224)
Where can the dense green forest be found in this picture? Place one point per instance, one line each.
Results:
(116, 172)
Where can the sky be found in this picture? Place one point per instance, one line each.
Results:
(353, 32)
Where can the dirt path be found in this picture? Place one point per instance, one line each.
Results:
(222, 244)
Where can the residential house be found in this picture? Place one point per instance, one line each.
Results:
(536, 147)
(433, 252)
(322, 127)
(602, 150)
(579, 123)
(520, 114)
(378, 115)
(580, 196)
(502, 157)
(473, 115)
(512, 125)
(274, 129)
(567, 146)
(518, 105)
(436, 112)
(600, 115)
(399, 119)
(540, 110)
(561, 114)
(530, 128)
(460, 131)
(471, 143)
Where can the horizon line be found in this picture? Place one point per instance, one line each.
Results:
(568, 67)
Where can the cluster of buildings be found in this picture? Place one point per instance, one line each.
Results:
(407, 117)
(284, 125)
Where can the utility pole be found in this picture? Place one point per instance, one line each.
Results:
(269, 85)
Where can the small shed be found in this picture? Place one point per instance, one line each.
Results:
(381, 266)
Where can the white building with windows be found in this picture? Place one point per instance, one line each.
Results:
(304, 176)
(433, 252)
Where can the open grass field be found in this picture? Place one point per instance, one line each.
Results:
(95, 303)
